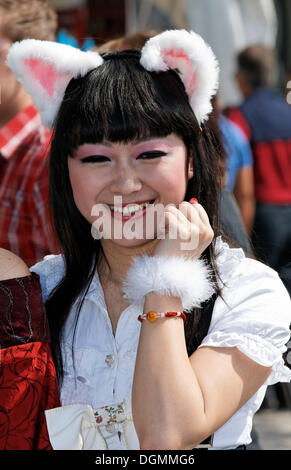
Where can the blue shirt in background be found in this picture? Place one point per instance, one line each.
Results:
(238, 150)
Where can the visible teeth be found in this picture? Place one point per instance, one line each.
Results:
(118, 209)
(130, 208)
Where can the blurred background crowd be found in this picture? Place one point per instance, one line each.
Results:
(251, 119)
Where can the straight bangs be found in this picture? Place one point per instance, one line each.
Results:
(120, 101)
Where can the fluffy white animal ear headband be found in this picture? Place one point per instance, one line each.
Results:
(45, 68)
(193, 58)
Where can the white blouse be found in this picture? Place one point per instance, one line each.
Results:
(96, 391)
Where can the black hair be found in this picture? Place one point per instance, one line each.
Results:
(120, 101)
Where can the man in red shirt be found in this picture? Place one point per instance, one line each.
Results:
(25, 227)
(265, 118)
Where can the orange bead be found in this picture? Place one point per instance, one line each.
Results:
(152, 316)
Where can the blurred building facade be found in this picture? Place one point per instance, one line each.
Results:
(99, 19)
(227, 25)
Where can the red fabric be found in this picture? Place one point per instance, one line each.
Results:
(28, 382)
(28, 386)
(235, 115)
(272, 164)
(272, 171)
(25, 227)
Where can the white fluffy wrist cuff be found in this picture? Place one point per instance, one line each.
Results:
(174, 276)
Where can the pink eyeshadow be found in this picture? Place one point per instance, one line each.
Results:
(90, 149)
(86, 150)
(152, 146)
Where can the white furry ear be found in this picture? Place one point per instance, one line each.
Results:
(45, 68)
(195, 60)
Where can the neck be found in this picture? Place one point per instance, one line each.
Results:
(116, 260)
(247, 90)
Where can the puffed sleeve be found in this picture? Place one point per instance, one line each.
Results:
(254, 314)
(50, 270)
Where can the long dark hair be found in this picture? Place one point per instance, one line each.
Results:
(120, 101)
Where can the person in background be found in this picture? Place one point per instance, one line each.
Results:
(131, 41)
(239, 170)
(265, 118)
(236, 210)
(25, 227)
(64, 37)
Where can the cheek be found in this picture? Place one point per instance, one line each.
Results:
(84, 189)
(9, 84)
(171, 181)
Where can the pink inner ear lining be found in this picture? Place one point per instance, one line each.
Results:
(45, 74)
(177, 54)
(181, 56)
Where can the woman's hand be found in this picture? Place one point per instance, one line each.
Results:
(187, 231)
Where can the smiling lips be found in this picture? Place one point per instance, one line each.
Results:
(128, 210)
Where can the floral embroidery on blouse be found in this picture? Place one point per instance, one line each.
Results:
(109, 414)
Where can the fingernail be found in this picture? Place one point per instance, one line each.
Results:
(193, 200)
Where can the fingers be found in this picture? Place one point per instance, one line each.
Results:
(181, 216)
(186, 230)
(190, 212)
(187, 220)
(179, 223)
(176, 224)
(195, 213)
(206, 231)
(202, 213)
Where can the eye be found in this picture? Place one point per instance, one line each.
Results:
(95, 159)
(151, 155)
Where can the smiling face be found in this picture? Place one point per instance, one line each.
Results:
(151, 170)
(120, 131)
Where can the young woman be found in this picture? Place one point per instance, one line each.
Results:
(156, 346)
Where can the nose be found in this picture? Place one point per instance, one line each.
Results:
(125, 180)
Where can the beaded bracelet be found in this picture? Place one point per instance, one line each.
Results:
(153, 316)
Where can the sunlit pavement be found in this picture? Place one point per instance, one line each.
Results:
(273, 428)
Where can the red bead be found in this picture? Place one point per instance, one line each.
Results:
(171, 314)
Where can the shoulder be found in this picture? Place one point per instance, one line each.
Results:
(11, 265)
(254, 312)
(51, 270)
(236, 115)
(229, 126)
(234, 134)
